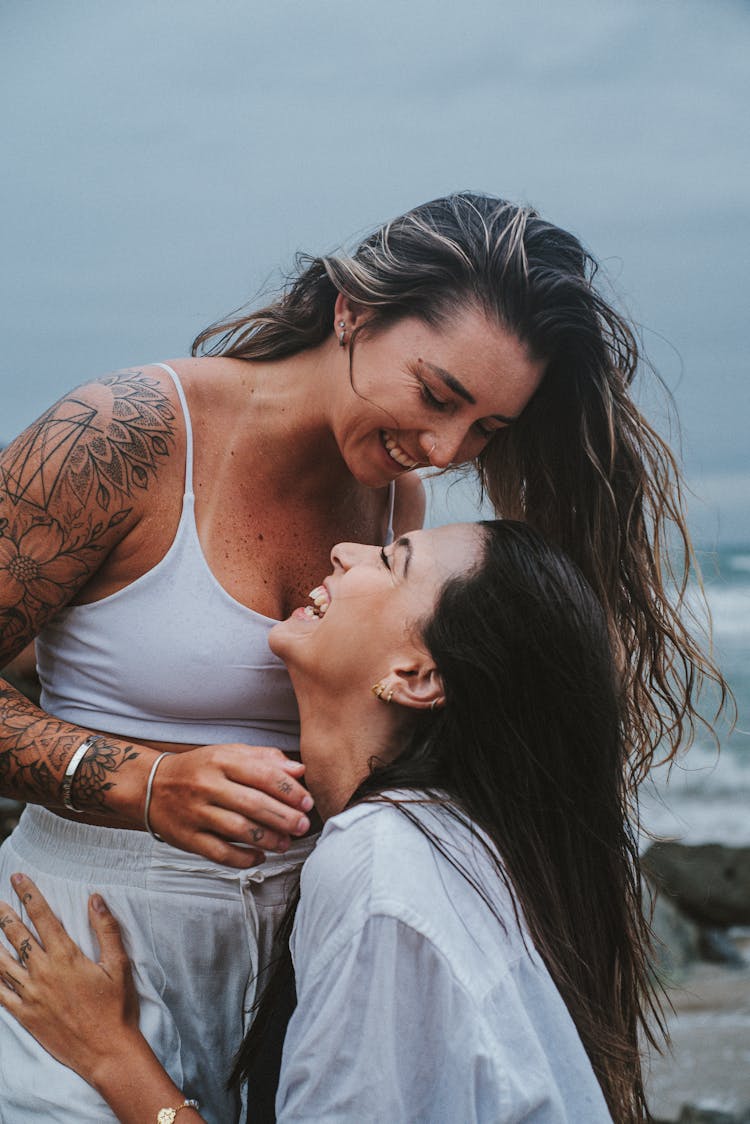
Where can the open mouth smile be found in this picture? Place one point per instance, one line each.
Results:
(321, 599)
(395, 452)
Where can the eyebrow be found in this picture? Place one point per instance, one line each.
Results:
(458, 388)
(405, 543)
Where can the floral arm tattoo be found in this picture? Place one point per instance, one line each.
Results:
(69, 486)
(35, 748)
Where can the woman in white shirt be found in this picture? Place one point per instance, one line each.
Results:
(469, 943)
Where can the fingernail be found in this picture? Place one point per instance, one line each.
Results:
(303, 825)
(97, 903)
(307, 803)
(16, 879)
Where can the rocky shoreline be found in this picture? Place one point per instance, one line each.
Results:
(701, 925)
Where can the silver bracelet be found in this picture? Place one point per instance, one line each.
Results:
(149, 788)
(71, 769)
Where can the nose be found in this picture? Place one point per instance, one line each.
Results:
(347, 554)
(441, 447)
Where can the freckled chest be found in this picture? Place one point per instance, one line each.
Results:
(269, 556)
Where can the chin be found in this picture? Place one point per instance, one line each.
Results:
(276, 638)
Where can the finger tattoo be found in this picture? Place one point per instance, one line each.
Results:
(27, 897)
(4, 921)
(285, 787)
(257, 834)
(24, 951)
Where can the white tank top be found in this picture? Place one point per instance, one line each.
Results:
(172, 656)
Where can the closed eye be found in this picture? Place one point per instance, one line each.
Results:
(432, 401)
(484, 432)
(384, 559)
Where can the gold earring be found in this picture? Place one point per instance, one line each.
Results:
(379, 691)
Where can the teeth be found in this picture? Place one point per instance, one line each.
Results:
(321, 601)
(396, 453)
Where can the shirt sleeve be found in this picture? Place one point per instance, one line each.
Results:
(383, 1031)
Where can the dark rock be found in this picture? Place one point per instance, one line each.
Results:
(693, 1114)
(709, 883)
(719, 948)
(676, 940)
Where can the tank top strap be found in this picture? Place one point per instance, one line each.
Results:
(391, 505)
(188, 426)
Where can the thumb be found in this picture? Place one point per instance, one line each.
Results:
(112, 954)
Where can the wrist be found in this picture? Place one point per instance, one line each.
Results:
(112, 779)
(126, 1054)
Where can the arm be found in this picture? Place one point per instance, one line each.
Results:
(382, 1022)
(84, 1014)
(72, 487)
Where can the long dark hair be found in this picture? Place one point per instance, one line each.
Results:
(531, 747)
(582, 464)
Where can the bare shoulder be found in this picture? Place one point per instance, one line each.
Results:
(409, 508)
(95, 448)
(72, 485)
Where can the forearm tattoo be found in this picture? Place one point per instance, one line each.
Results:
(66, 484)
(97, 774)
(35, 750)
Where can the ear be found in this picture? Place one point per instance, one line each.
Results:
(416, 685)
(353, 315)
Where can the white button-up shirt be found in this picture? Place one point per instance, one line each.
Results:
(414, 1002)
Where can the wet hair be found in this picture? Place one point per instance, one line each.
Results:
(581, 464)
(530, 748)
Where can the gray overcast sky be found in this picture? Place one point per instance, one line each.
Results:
(164, 159)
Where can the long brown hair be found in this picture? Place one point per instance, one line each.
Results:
(531, 748)
(582, 464)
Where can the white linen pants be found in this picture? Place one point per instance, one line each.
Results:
(196, 932)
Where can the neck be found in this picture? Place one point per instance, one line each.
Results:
(289, 432)
(340, 737)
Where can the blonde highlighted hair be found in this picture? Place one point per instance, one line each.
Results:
(581, 465)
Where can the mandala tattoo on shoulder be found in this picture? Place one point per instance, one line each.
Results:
(72, 447)
(66, 484)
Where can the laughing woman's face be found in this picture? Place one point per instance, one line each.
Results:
(424, 395)
(363, 618)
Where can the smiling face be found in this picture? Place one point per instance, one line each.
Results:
(426, 395)
(364, 626)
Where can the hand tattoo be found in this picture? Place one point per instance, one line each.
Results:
(24, 951)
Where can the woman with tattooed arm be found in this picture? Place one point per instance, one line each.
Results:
(158, 522)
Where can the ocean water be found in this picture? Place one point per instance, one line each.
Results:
(705, 796)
